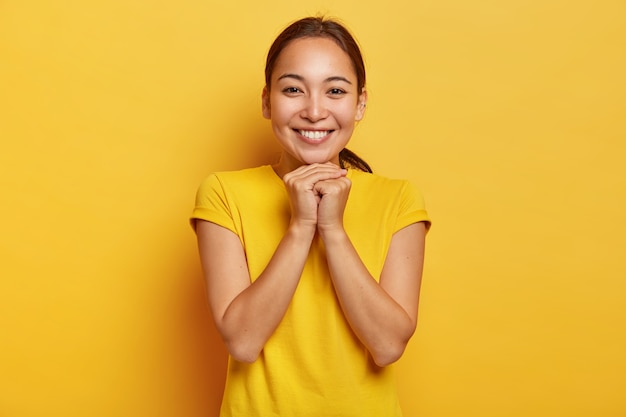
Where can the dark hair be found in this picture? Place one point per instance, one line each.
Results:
(312, 27)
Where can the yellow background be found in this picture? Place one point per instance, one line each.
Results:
(508, 115)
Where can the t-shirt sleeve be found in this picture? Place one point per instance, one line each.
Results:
(412, 208)
(212, 204)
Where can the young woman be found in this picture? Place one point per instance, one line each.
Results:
(313, 265)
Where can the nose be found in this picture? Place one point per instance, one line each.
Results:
(314, 109)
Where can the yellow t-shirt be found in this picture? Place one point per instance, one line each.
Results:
(313, 365)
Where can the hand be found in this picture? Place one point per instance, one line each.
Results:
(334, 196)
(306, 190)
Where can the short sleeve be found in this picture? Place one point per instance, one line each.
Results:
(412, 208)
(212, 204)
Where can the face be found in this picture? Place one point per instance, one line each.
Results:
(313, 102)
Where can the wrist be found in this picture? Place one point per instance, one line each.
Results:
(332, 233)
(302, 230)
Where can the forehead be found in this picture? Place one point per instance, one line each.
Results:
(314, 56)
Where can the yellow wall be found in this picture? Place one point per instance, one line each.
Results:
(508, 115)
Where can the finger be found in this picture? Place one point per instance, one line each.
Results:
(312, 174)
(333, 186)
(305, 170)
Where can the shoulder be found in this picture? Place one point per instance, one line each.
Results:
(221, 194)
(368, 182)
(398, 196)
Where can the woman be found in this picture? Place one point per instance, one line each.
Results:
(313, 266)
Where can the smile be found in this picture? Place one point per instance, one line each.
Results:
(314, 134)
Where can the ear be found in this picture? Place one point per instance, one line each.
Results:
(362, 102)
(265, 103)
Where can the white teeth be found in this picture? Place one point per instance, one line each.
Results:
(314, 134)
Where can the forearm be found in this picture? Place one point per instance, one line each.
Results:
(381, 323)
(253, 315)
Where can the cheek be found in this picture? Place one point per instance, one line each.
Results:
(282, 110)
(349, 114)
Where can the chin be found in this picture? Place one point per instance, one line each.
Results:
(318, 161)
(310, 161)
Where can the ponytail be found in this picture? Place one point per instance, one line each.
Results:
(348, 159)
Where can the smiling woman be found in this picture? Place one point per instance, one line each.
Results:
(313, 305)
(327, 29)
(313, 102)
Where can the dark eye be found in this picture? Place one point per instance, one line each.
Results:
(336, 92)
(292, 90)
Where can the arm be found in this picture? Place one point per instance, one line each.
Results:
(247, 314)
(382, 314)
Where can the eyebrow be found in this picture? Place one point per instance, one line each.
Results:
(327, 80)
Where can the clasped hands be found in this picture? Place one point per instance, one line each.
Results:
(318, 194)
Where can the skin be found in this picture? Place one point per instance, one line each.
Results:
(313, 89)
